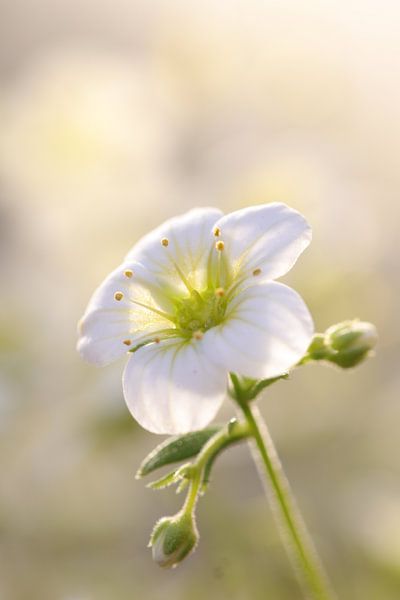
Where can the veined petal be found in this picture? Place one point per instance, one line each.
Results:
(172, 387)
(126, 309)
(266, 330)
(188, 240)
(264, 240)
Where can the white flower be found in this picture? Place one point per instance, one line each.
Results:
(193, 301)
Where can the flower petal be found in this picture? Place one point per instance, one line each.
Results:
(267, 329)
(264, 240)
(189, 240)
(172, 387)
(109, 324)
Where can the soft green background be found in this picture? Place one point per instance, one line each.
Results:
(115, 115)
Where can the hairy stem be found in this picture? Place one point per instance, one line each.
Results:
(296, 538)
(231, 434)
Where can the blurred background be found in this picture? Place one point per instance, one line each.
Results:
(115, 115)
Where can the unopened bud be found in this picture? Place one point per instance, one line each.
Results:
(351, 342)
(173, 538)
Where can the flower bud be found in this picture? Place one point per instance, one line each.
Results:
(173, 538)
(351, 342)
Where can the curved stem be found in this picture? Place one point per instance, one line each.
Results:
(297, 540)
(231, 434)
(191, 498)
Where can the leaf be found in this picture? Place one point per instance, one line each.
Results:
(182, 485)
(175, 476)
(176, 449)
(164, 481)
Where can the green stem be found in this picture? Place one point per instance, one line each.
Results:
(297, 540)
(232, 433)
(191, 498)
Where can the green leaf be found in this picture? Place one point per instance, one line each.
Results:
(176, 449)
(164, 481)
(182, 485)
(177, 475)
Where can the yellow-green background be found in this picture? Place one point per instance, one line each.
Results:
(115, 115)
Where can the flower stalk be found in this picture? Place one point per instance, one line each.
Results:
(297, 540)
(193, 301)
(232, 433)
(173, 538)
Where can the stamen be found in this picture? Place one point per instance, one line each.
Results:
(235, 285)
(128, 273)
(219, 246)
(118, 296)
(165, 243)
(183, 278)
(198, 335)
(209, 267)
(155, 310)
(256, 272)
(127, 342)
(217, 232)
(220, 292)
(145, 339)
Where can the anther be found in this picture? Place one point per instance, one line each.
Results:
(220, 292)
(127, 342)
(165, 242)
(217, 231)
(256, 272)
(157, 340)
(128, 273)
(220, 245)
(198, 335)
(118, 296)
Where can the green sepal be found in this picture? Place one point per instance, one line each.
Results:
(246, 389)
(350, 358)
(183, 473)
(182, 485)
(176, 449)
(173, 538)
(319, 349)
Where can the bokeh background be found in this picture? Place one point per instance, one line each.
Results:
(115, 115)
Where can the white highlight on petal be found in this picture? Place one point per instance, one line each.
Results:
(266, 330)
(173, 387)
(111, 319)
(267, 238)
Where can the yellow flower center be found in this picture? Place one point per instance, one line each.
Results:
(196, 312)
(199, 312)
